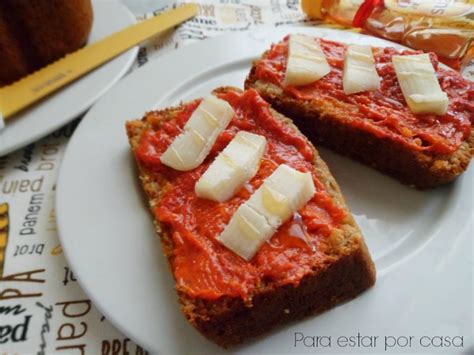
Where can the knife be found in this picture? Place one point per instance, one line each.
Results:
(34, 87)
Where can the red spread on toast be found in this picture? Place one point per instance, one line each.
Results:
(202, 266)
(383, 112)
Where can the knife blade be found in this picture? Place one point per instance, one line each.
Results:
(36, 86)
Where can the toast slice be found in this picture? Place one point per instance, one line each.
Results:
(375, 128)
(313, 262)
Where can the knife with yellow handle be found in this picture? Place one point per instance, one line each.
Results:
(34, 87)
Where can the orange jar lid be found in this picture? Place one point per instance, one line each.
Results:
(312, 8)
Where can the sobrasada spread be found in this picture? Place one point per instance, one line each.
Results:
(383, 112)
(202, 266)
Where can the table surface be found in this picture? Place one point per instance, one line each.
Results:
(42, 307)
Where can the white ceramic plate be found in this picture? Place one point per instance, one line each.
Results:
(68, 103)
(419, 240)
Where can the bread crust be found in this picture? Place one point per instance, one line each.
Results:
(34, 33)
(229, 321)
(329, 127)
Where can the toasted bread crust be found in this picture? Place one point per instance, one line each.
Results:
(329, 127)
(228, 321)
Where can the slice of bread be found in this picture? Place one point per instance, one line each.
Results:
(340, 269)
(328, 120)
